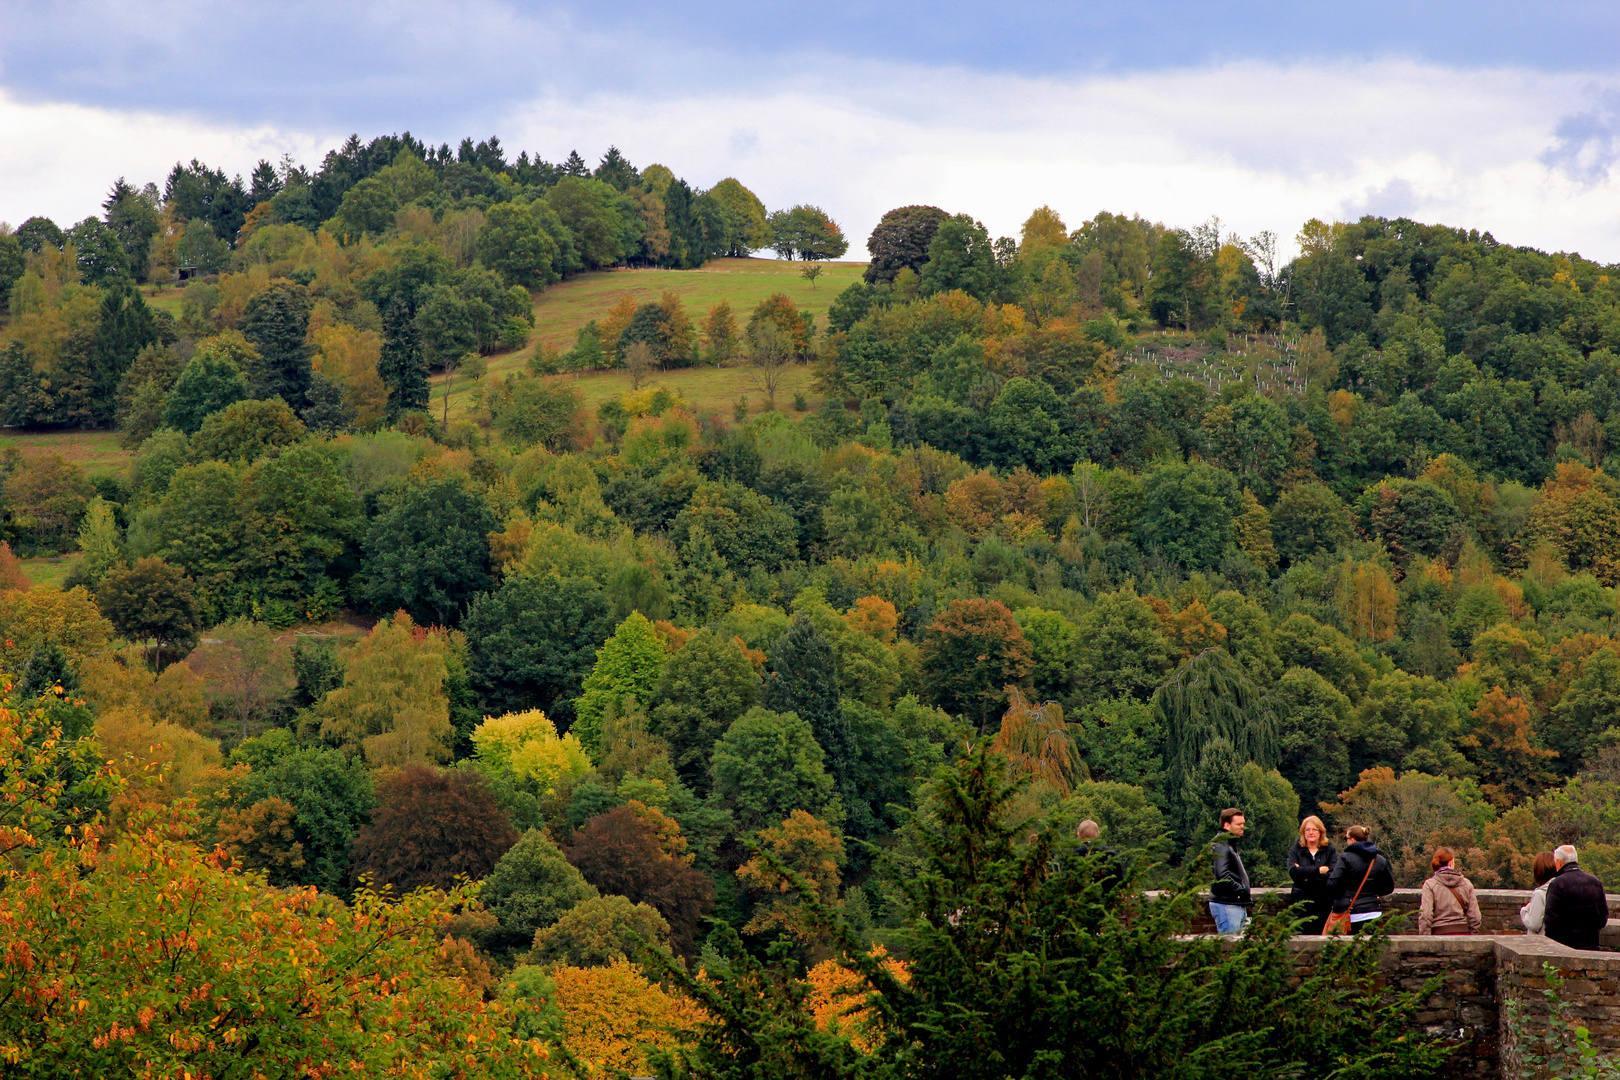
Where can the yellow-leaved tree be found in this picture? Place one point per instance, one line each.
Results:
(391, 706)
(611, 1015)
(526, 745)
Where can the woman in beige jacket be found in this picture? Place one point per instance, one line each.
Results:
(1449, 906)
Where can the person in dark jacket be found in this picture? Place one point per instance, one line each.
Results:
(1309, 863)
(1360, 861)
(1577, 909)
(1110, 867)
(1229, 899)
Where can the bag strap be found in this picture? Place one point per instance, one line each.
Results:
(1364, 878)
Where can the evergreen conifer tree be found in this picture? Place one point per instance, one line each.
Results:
(402, 365)
(803, 679)
(126, 327)
(277, 322)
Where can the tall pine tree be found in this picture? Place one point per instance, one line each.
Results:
(402, 365)
(277, 322)
(126, 327)
(803, 679)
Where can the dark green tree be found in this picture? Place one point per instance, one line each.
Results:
(151, 600)
(767, 765)
(708, 683)
(37, 233)
(1210, 699)
(126, 327)
(12, 265)
(531, 643)
(427, 551)
(326, 413)
(276, 321)
(802, 678)
(209, 382)
(900, 240)
(960, 257)
(1186, 512)
(513, 244)
(1312, 718)
(332, 795)
(1306, 519)
(402, 365)
(317, 669)
(530, 888)
(135, 218)
(1013, 966)
(101, 254)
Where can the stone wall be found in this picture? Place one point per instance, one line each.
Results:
(1498, 908)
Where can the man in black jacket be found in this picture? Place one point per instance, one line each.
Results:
(1229, 899)
(1577, 909)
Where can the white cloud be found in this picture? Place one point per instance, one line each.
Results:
(1265, 146)
(60, 160)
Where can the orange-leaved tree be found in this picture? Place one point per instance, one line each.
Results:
(137, 953)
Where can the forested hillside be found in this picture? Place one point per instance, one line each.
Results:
(1171, 526)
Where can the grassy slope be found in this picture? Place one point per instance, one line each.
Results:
(561, 310)
(49, 573)
(559, 313)
(96, 452)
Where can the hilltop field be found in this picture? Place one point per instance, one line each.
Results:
(561, 310)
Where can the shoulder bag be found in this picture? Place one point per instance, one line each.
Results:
(1339, 921)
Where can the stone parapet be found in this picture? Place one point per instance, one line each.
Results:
(1479, 977)
(1498, 909)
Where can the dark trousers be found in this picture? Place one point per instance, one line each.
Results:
(1316, 916)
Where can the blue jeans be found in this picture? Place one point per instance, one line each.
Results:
(1229, 918)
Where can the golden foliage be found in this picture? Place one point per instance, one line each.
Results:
(875, 617)
(1038, 743)
(1365, 595)
(834, 997)
(526, 744)
(11, 571)
(69, 618)
(611, 1013)
(810, 848)
(348, 357)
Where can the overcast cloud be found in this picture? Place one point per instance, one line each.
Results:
(1165, 110)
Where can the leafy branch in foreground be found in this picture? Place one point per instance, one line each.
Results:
(1027, 959)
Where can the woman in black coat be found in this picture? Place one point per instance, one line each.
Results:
(1348, 876)
(1310, 862)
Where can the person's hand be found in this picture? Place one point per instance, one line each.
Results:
(1321, 869)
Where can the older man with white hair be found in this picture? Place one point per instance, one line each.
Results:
(1577, 908)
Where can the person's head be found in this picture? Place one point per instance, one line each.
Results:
(1088, 830)
(1543, 869)
(1563, 855)
(1232, 820)
(1312, 831)
(1443, 856)
(1358, 834)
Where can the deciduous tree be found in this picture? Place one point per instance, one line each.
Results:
(432, 826)
(620, 855)
(973, 651)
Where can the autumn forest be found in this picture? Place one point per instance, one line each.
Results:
(415, 681)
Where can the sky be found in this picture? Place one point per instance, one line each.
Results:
(1500, 117)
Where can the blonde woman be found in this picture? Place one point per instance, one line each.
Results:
(1310, 862)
